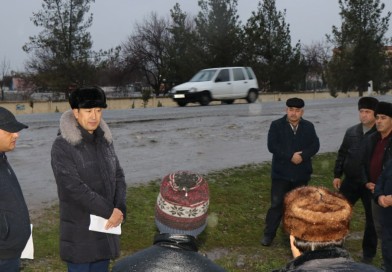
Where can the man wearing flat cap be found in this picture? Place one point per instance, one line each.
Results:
(318, 222)
(348, 163)
(293, 142)
(14, 215)
(90, 181)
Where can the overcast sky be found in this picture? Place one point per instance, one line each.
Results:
(309, 21)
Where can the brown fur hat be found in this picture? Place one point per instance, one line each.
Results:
(315, 214)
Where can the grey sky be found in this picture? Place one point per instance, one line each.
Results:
(309, 21)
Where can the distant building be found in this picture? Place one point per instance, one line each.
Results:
(17, 84)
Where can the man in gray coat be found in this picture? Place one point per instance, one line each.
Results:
(90, 181)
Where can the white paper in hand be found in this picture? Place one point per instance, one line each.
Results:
(28, 251)
(98, 223)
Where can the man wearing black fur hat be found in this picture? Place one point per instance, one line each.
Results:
(377, 154)
(293, 142)
(383, 196)
(348, 163)
(90, 181)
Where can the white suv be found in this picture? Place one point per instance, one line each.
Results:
(218, 84)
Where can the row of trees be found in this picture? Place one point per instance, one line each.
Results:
(169, 50)
(360, 47)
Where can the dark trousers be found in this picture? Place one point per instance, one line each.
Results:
(279, 188)
(354, 191)
(386, 245)
(10, 265)
(100, 266)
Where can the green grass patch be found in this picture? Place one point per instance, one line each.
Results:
(239, 200)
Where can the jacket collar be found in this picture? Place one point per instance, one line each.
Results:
(70, 131)
(370, 131)
(179, 241)
(325, 253)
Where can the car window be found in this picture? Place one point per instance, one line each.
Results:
(238, 74)
(203, 75)
(223, 76)
(249, 72)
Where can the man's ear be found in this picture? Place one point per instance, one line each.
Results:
(76, 113)
(294, 250)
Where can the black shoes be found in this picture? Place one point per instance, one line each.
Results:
(266, 241)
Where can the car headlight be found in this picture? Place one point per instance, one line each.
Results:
(193, 90)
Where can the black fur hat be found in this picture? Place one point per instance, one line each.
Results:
(87, 98)
(367, 102)
(295, 102)
(384, 108)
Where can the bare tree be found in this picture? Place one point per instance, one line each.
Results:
(4, 71)
(146, 50)
(316, 57)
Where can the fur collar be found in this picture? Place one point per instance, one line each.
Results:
(71, 133)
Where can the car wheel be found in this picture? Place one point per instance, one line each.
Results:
(181, 103)
(228, 101)
(205, 99)
(252, 96)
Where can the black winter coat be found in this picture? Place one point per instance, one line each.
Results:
(283, 143)
(350, 153)
(369, 145)
(14, 216)
(89, 180)
(170, 253)
(384, 182)
(327, 260)
(384, 187)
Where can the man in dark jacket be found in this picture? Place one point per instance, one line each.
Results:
(90, 181)
(348, 163)
(180, 215)
(377, 153)
(383, 197)
(293, 142)
(14, 216)
(318, 221)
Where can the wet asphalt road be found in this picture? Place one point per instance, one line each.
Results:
(153, 142)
